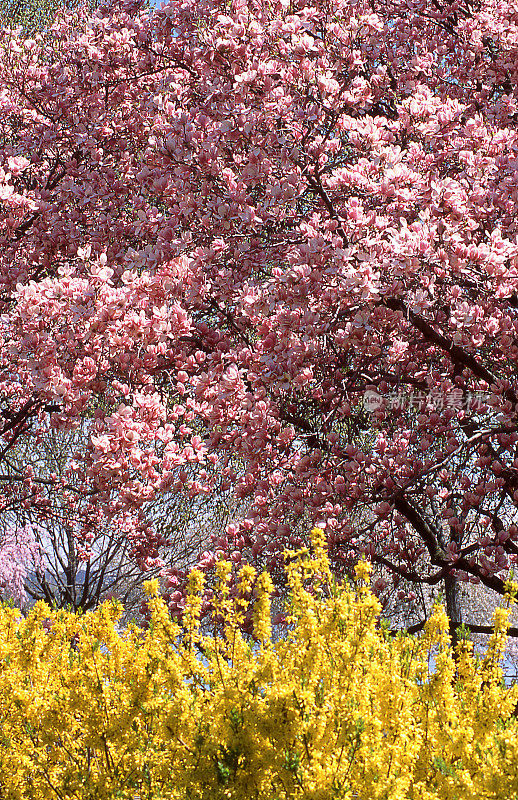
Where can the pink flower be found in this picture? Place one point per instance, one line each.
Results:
(17, 164)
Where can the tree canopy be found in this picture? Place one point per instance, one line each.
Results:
(276, 239)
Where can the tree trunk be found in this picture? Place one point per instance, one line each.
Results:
(453, 607)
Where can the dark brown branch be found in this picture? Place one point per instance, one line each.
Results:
(485, 629)
(428, 534)
(457, 354)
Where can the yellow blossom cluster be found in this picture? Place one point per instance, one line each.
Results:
(336, 707)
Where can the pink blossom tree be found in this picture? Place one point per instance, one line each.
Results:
(276, 235)
(19, 554)
(65, 577)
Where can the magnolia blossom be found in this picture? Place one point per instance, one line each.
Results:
(224, 228)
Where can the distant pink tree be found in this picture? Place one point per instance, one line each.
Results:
(19, 554)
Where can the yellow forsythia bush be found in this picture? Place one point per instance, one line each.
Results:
(336, 708)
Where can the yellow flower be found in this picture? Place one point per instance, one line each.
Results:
(363, 570)
(151, 587)
(332, 708)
